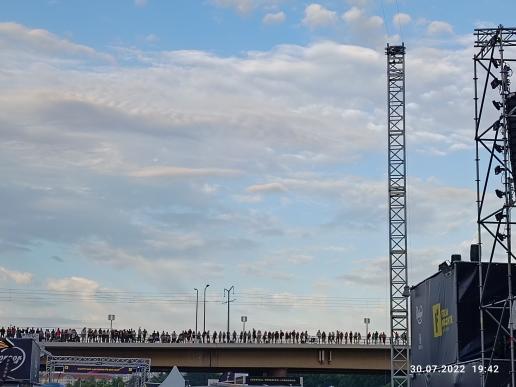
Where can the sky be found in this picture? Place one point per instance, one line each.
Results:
(151, 147)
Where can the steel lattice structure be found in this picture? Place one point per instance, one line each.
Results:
(141, 365)
(492, 71)
(397, 214)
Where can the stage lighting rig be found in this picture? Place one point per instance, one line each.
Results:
(499, 216)
(499, 193)
(501, 236)
(498, 148)
(495, 83)
(498, 169)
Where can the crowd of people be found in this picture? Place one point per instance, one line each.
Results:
(100, 335)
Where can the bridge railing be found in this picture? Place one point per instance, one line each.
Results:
(78, 336)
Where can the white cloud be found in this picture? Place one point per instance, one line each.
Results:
(268, 187)
(242, 6)
(21, 39)
(169, 171)
(352, 15)
(317, 15)
(439, 27)
(274, 18)
(140, 3)
(401, 19)
(80, 285)
(19, 277)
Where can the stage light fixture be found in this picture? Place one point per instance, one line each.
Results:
(498, 148)
(499, 216)
(501, 236)
(497, 105)
(498, 169)
(496, 125)
(496, 63)
(495, 83)
(510, 126)
(499, 193)
(443, 266)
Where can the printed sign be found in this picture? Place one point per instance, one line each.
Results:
(23, 357)
(98, 370)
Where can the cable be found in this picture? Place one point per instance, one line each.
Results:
(384, 18)
(398, 20)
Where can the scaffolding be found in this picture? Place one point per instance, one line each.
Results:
(140, 367)
(494, 172)
(397, 215)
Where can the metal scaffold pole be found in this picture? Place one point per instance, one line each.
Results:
(397, 216)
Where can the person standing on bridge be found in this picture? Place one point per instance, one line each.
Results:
(318, 336)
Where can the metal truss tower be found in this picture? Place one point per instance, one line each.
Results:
(397, 215)
(140, 366)
(494, 137)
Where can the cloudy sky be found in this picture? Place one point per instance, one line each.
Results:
(151, 147)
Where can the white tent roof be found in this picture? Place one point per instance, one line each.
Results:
(174, 379)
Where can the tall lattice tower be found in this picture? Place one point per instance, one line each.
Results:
(397, 215)
(495, 135)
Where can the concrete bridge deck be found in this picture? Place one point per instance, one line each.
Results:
(276, 359)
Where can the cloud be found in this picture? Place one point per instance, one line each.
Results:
(140, 3)
(367, 29)
(169, 171)
(57, 258)
(268, 187)
(352, 15)
(317, 15)
(80, 285)
(439, 28)
(18, 277)
(18, 38)
(401, 19)
(274, 18)
(241, 6)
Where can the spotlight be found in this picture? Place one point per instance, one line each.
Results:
(501, 236)
(496, 63)
(497, 105)
(499, 216)
(499, 193)
(495, 83)
(496, 125)
(499, 169)
(406, 291)
(498, 148)
(443, 266)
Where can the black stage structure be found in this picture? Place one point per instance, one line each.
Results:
(495, 135)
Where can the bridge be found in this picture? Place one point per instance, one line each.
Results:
(271, 359)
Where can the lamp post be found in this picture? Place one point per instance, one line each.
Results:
(196, 309)
(204, 314)
(111, 318)
(232, 288)
(367, 320)
(244, 320)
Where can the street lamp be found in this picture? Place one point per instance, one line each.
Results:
(111, 318)
(204, 314)
(244, 320)
(232, 288)
(367, 320)
(196, 310)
